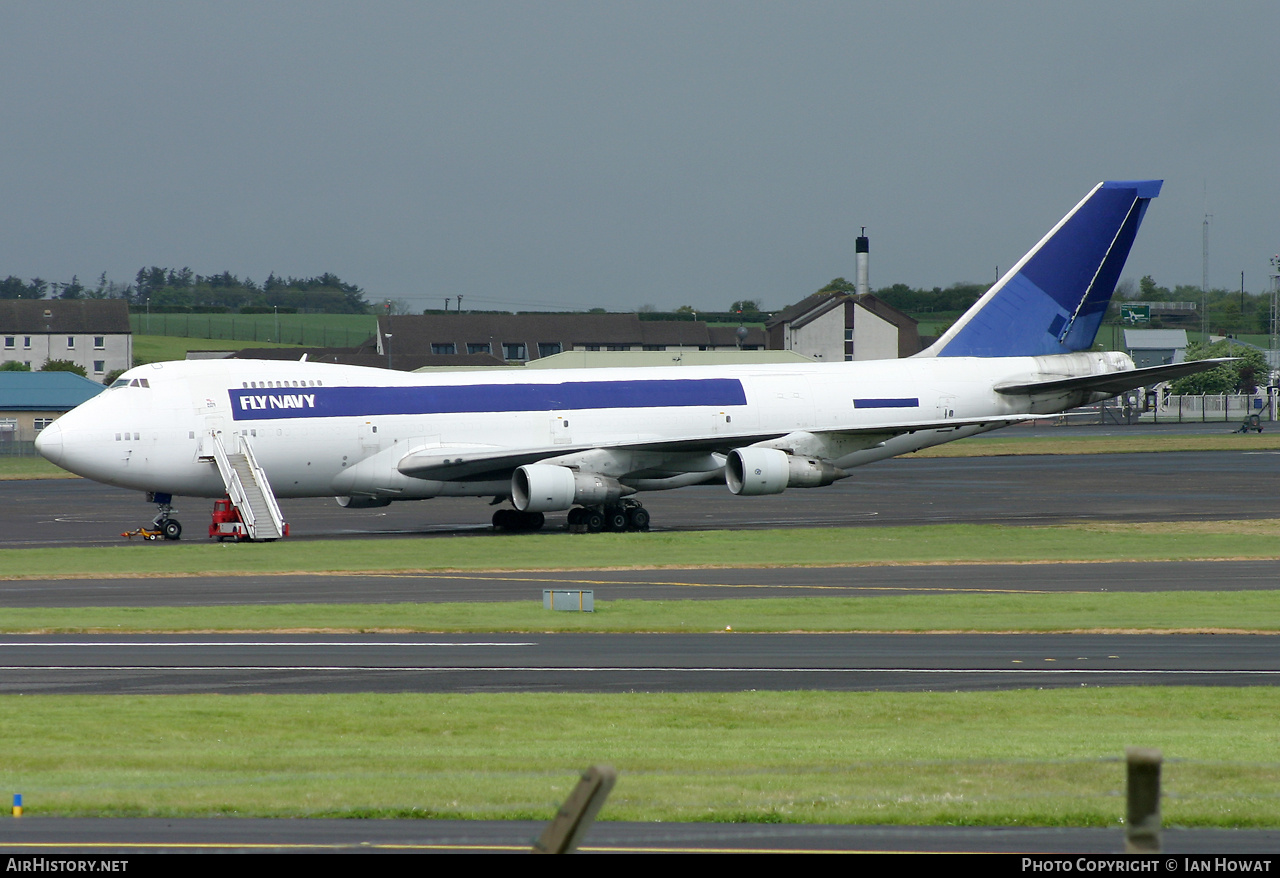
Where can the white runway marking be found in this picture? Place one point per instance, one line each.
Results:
(228, 643)
(541, 669)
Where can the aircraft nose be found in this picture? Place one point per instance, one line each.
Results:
(49, 443)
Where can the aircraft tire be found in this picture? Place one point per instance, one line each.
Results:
(172, 529)
(638, 518)
(593, 520)
(615, 519)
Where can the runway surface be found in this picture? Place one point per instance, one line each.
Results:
(723, 662)
(114, 838)
(1182, 486)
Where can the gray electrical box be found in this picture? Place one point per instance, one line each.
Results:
(571, 601)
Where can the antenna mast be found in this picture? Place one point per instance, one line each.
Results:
(1275, 302)
(1204, 281)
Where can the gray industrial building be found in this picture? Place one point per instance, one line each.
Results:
(1156, 347)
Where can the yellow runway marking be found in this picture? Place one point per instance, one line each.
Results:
(389, 846)
(746, 585)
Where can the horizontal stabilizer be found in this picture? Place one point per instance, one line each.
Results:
(1115, 382)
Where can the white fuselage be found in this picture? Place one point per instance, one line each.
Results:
(320, 429)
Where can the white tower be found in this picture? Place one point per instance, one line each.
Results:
(863, 247)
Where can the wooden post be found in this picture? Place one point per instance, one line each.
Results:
(564, 833)
(1142, 820)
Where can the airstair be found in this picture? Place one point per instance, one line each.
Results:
(248, 488)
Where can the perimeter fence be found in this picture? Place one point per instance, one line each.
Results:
(18, 438)
(1180, 409)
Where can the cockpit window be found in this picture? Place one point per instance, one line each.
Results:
(126, 382)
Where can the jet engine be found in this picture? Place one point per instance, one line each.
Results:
(540, 487)
(365, 502)
(751, 471)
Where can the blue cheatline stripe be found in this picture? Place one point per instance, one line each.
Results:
(337, 402)
(886, 403)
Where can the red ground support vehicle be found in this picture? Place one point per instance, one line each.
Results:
(226, 524)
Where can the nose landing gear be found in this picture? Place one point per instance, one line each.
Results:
(170, 528)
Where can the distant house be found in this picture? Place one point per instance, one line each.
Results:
(833, 327)
(93, 333)
(29, 402)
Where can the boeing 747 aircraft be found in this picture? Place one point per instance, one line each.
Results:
(588, 441)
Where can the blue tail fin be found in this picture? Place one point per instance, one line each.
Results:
(1053, 300)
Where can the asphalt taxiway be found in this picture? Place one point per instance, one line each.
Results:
(1035, 489)
(666, 584)
(723, 662)
(115, 838)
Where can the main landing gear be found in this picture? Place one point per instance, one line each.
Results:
(515, 521)
(617, 517)
(168, 526)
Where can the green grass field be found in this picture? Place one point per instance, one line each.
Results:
(17, 468)
(557, 550)
(1253, 612)
(1077, 441)
(161, 348)
(255, 330)
(1050, 757)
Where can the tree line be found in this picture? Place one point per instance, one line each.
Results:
(181, 289)
(1230, 311)
(956, 298)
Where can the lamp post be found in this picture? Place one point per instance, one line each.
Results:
(387, 345)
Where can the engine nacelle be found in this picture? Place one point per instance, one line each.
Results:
(365, 502)
(753, 471)
(540, 487)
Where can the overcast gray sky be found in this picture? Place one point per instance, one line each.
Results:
(617, 154)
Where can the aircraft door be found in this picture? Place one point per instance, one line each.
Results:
(370, 439)
(210, 425)
(560, 430)
(946, 407)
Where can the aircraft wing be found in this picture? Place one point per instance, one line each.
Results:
(479, 462)
(1114, 382)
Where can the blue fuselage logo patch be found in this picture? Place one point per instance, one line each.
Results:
(339, 402)
(902, 403)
